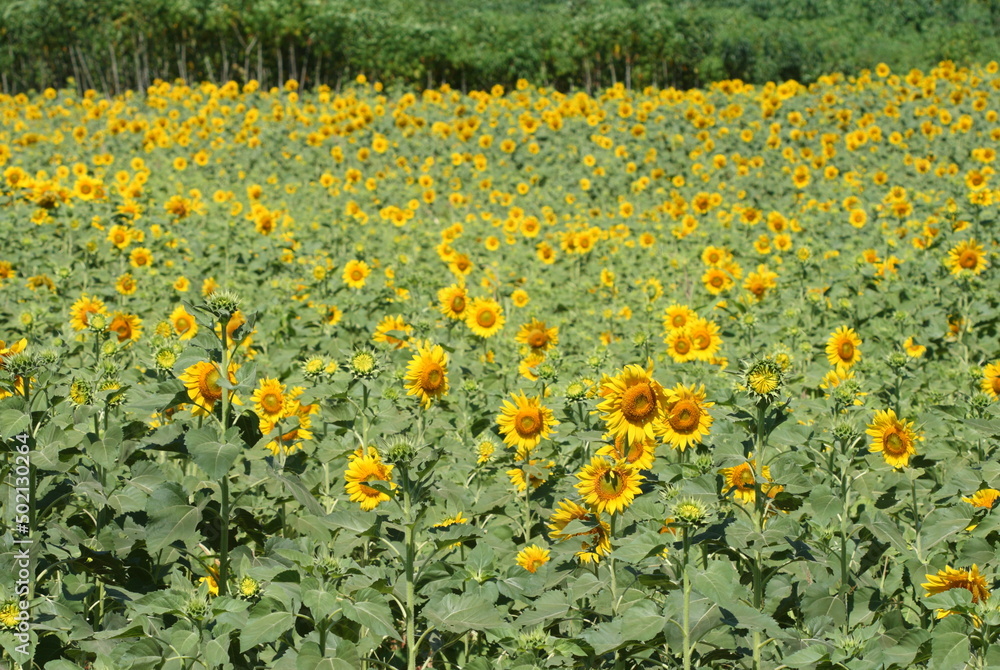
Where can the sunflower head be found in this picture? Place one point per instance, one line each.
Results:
(363, 364)
(690, 510)
(763, 379)
(223, 304)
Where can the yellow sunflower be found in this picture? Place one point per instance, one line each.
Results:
(539, 338)
(520, 477)
(950, 578)
(680, 346)
(967, 256)
(485, 318)
(633, 404)
(126, 326)
(704, 337)
(716, 280)
(269, 400)
(453, 301)
(367, 467)
(687, 419)
(202, 383)
(594, 543)
(913, 350)
(893, 437)
(531, 558)
(184, 324)
(525, 422)
(391, 330)
(355, 273)
(842, 348)
(528, 367)
(81, 310)
(990, 383)
(740, 479)
(985, 498)
(427, 374)
(677, 317)
(608, 486)
(640, 453)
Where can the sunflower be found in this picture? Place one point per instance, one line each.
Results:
(126, 326)
(704, 337)
(967, 256)
(355, 273)
(10, 612)
(594, 543)
(633, 404)
(453, 301)
(677, 317)
(687, 420)
(741, 480)
(427, 375)
(608, 486)
(525, 422)
(893, 437)
(763, 379)
(485, 317)
(202, 383)
(184, 324)
(913, 350)
(950, 578)
(126, 284)
(82, 309)
(269, 400)
(140, 257)
(389, 325)
(14, 348)
(640, 453)
(716, 281)
(290, 440)
(528, 367)
(531, 558)
(535, 335)
(366, 467)
(990, 383)
(520, 477)
(985, 498)
(842, 347)
(680, 346)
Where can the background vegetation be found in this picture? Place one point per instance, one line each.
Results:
(112, 45)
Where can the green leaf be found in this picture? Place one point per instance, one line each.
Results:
(14, 422)
(642, 621)
(949, 650)
(941, 523)
(805, 658)
(604, 637)
(718, 583)
(459, 613)
(376, 615)
(264, 629)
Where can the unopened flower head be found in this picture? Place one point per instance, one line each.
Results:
(363, 364)
(763, 379)
(223, 304)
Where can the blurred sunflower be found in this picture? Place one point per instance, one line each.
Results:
(453, 301)
(687, 419)
(183, 323)
(535, 474)
(269, 399)
(705, 341)
(608, 486)
(355, 273)
(427, 374)
(391, 330)
(81, 310)
(363, 468)
(485, 318)
(985, 498)
(677, 317)
(990, 383)
(680, 346)
(950, 578)
(842, 348)
(537, 336)
(531, 558)
(525, 422)
(741, 480)
(967, 256)
(633, 405)
(893, 438)
(125, 326)
(639, 453)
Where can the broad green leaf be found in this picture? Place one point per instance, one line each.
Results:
(376, 615)
(263, 629)
(459, 613)
(950, 651)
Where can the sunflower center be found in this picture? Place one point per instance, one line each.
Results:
(538, 339)
(745, 479)
(486, 318)
(356, 275)
(458, 304)
(995, 384)
(528, 422)
(433, 378)
(716, 281)
(701, 341)
(968, 260)
(682, 346)
(638, 402)
(271, 403)
(895, 444)
(210, 382)
(684, 416)
(846, 350)
(713, 258)
(182, 324)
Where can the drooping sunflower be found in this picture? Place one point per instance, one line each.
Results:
(452, 301)
(202, 383)
(528, 367)
(81, 310)
(594, 543)
(741, 481)
(680, 346)
(537, 336)
(633, 404)
(355, 273)
(531, 558)
(686, 417)
(365, 467)
(950, 578)
(391, 330)
(967, 256)
(485, 317)
(893, 437)
(269, 399)
(985, 498)
(525, 422)
(126, 326)
(640, 453)
(535, 473)
(184, 324)
(705, 339)
(842, 348)
(608, 486)
(990, 383)
(427, 374)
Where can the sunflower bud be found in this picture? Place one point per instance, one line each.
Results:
(26, 319)
(576, 392)
(196, 608)
(896, 361)
(314, 367)
(249, 588)
(363, 364)
(704, 462)
(690, 510)
(166, 359)
(223, 304)
(763, 379)
(47, 358)
(470, 386)
(97, 322)
(114, 399)
(22, 365)
(108, 348)
(548, 372)
(80, 392)
(844, 431)
(981, 401)
(399, 450)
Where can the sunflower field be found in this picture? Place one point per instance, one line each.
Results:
(516, 379)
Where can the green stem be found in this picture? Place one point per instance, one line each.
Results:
(759, 512)
(687, 602)
(224, 484)
(527, 508)
(408, 560)
(614, 577)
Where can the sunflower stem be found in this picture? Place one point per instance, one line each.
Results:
(409, 559)
(687, 601)
(527, 509)
(224, 483)
(758, 582)
(611, 568)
